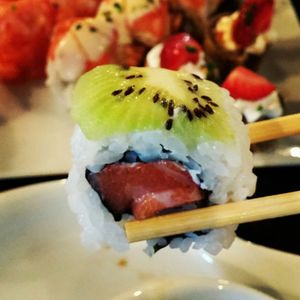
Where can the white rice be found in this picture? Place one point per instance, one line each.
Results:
(224, 168)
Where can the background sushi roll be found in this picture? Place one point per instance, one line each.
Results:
(78, 44)
(143, 117)
(120, 33)
(239, 37)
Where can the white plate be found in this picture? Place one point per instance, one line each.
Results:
(41, 256)
(35, 132)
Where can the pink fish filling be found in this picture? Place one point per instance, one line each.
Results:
(145, 189)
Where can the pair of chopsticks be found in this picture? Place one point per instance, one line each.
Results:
(230, 213)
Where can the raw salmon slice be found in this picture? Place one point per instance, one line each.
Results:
(145, 189)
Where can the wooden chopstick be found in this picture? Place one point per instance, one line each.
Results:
(230, 213)
(274, 128)
(214, 216)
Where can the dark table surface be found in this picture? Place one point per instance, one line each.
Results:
(280, 233)
(296, 5)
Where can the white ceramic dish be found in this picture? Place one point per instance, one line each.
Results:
(193, 289)
(35, 132)
(41, 257)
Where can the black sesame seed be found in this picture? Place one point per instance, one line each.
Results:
(189, 115)
(141, 90)
(207, 98)
(213, 104)
(164, 103)
(169, 124)
(139, 76)
(93, 29)
(129, 91)
(116, 92)
(188, 82)
(196, 100)
(78, 26)
(155, 98)
(198, 113)
(203, 113)
(209, 109)
(184, 108)
(196, 76)
(190, 49)
(201, 106)
(195, 87)
(107, 15)
(171, 108)
(130, 77)
(118, 6)
(191, 89)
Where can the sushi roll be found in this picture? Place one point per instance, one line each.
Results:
(77, 45)
(148, 21)
(240, 37)
(119, 34)
(149, 141)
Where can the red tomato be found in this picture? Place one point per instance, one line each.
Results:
(178, 50)
(245, 84)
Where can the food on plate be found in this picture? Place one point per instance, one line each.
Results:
(197, 13)
(230, 33)
(24, 38)
(78, 45)
(255, 96)
(178, 52)
(26, 27)
(67, 9)
(151, 141)
(118, 34)
(239, 37)
(148, 21)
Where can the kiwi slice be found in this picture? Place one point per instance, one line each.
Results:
(112, 99)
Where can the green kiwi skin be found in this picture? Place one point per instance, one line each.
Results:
(111, 100)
